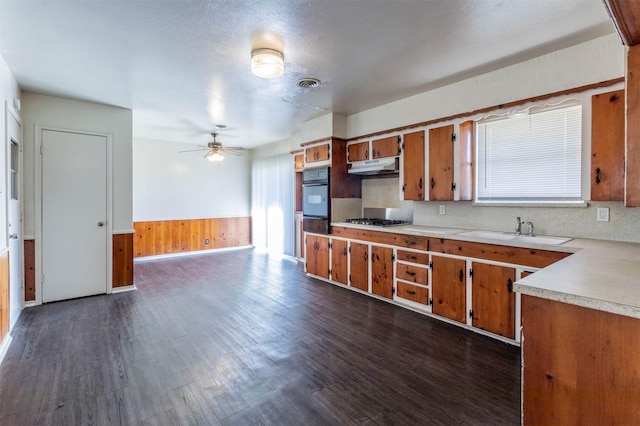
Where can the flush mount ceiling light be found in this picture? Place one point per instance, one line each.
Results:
(267, 63)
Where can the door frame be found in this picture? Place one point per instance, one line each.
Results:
(39, 129)
(11, 111)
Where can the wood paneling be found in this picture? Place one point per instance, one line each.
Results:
(441, 163)
(359, 260)
(413, 166)
(342, 184)
(607, 146)
(625, 15)
(467, 142)
(382, 271)
(339, 259)
(493, 301)
(122, 260)
(386, 147)
(358, 151)
(581, 366)
(632, 150)
(4, 294)
(176, 236)
(29, 270)
(514, 255)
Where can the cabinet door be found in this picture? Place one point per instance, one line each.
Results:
(382, 271)
(413, 166)
(358, 152)
(607, 146)
(448, 287)
(317, 255)
(314, 154)
(298, 163)
(441, 163)
(467, 140)
(359, 273)
(493, 300)
(339, 255)
(386, 147)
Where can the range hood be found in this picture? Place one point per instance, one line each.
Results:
(375, 167)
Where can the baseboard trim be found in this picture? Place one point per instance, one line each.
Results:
(124, 289)
(4, 346)
(188, 253)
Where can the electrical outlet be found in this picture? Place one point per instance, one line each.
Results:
(442, 209)
(206, 241)
(603, 214)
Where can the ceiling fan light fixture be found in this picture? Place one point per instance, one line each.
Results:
(215, 156)
(267, 63)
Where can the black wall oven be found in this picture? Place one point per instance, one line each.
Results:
(315, 200)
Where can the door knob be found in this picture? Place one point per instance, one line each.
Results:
(101, 223)
(13, 236)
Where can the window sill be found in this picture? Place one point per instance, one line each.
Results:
(544, 204)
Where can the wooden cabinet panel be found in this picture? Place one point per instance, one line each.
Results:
(412, 273)
(413, 292)
(400, 240)
(413, 166)
(359, 259)
(441, 163)
(607, 146)
(298, 162)
(317, 255)
(314, 154)
(580, 365)
(386, 147)
(29, 270)
(467, 139)
(493, 300)
(382, 271)
(632, 124)
(358, 151)
(448, 287)
(343, 184)
(339, 257)
(122, 259)
(412, 256)
(4, 295)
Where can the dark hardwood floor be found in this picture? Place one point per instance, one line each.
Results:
(243, 338)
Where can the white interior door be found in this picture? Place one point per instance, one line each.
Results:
(74, 215)
(14, 215)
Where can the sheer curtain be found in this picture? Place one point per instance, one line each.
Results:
(272, 206)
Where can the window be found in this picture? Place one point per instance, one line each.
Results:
(530, 157)
(15, 156)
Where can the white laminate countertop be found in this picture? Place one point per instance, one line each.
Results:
(602, 275)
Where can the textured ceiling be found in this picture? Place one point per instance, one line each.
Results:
(184, 65)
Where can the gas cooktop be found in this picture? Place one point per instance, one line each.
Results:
(376, 222)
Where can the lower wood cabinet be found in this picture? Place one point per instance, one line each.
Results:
(448, 286)
(339, 261)
(359, 260)
(493, 301)
(415, 293)
(382, 271)
(317, 255)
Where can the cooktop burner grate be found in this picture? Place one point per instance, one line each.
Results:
(375, 222)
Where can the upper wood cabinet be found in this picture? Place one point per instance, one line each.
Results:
(298, 162)
(386, 147)
(358, 152)
(413, 187)
(441, 185)
(317, 154)
(375, 149)
(607, 146)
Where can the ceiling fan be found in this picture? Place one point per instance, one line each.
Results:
(215, 149)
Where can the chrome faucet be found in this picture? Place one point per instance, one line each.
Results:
(518, 226)
(530, 225)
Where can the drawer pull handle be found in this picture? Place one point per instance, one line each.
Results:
(461, 275)
(413, 274)
(411, 292)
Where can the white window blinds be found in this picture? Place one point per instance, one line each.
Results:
(533, 157)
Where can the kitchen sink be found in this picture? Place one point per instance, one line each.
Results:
(502, 236)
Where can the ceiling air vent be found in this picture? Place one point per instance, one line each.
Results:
(308, 83)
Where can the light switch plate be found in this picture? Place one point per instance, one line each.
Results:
(603, 214)
(442, 209)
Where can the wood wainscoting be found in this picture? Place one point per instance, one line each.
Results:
(4, 294)
(29, 270)
(179, 236)
(122, 260)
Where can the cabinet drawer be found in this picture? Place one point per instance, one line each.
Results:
(410, 256)
(411, 273)
(413, 293)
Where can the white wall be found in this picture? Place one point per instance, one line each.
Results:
(168, 185)
(67, 114)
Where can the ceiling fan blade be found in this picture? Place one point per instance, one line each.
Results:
(193, 150)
